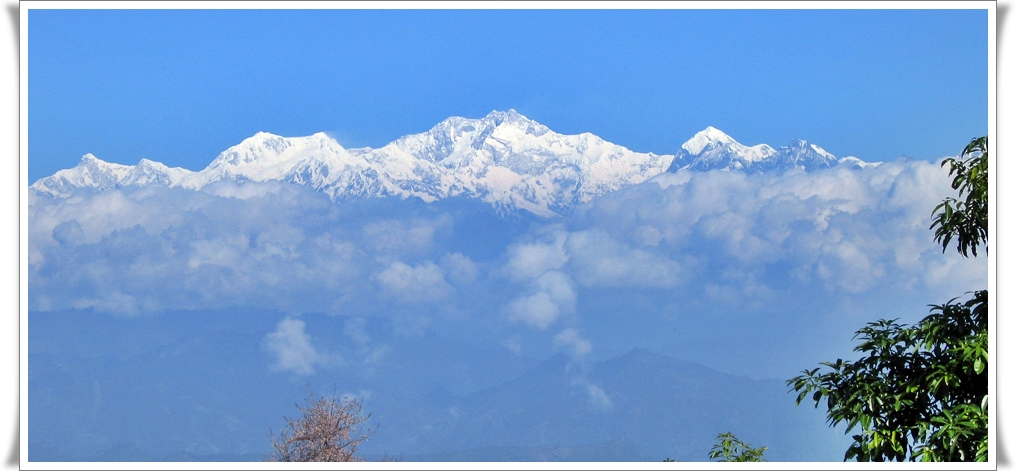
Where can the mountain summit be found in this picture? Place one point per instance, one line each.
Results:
(503, 158)
(711, 149)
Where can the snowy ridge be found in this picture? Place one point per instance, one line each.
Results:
(711, 149)
(89, 173)
(504, 159)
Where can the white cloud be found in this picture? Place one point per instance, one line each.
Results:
(292, 348)
(400, 237)
(597, 397)
(536, 310)
(421, 283)
(559, 288)
(280, 241)
(599, 260)
(569, 338)
(527, 261)
(219, 251)
(553, 297)
(459, 267)
(648, 236)
(849, 230)
(180, 249)
(846, 266)
(952, 276)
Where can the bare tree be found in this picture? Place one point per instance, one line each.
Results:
(330, 429)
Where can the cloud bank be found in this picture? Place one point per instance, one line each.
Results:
(712, 238)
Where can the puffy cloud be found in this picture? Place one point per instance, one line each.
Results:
(850, 230)
(648, 236)
(280, 241)
(459, 267)
(256, 245)
(292, 348)
(599, 260)
(846, 266)
(558, 287)
(551, 297)
(597, 397)
(221, 251)
(527, 261)
(569, 338)
(536, 310)
(421, 283)
(398, 236)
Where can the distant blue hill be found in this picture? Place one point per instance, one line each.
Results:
(196, 386)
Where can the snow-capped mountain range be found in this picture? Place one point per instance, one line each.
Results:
(504, 159)
(711, 149)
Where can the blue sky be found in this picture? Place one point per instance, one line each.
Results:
(181, 86)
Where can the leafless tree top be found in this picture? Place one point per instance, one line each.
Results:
(330, 429)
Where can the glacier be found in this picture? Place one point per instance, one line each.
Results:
(504, 159)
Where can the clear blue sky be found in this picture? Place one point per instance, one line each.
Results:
(180, 86)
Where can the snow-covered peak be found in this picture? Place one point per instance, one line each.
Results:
(262, 149)
(801, 153)
(90, 172)
(509, 121)
(265, 156)
(149, 167)
(706, 137)
(150, 171)
(714, 149)
(856, 163)
(93, 163)
(99, 171)
(801, 145)
(510, 117)
(459, 138)
(711, 149)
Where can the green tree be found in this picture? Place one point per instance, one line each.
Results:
(921, 392)
(965, 220)
(730, 448)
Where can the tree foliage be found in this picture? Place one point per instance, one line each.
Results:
(965, 219)
(729, 448)
(918, 393)
(921, 392)
(330, 429)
